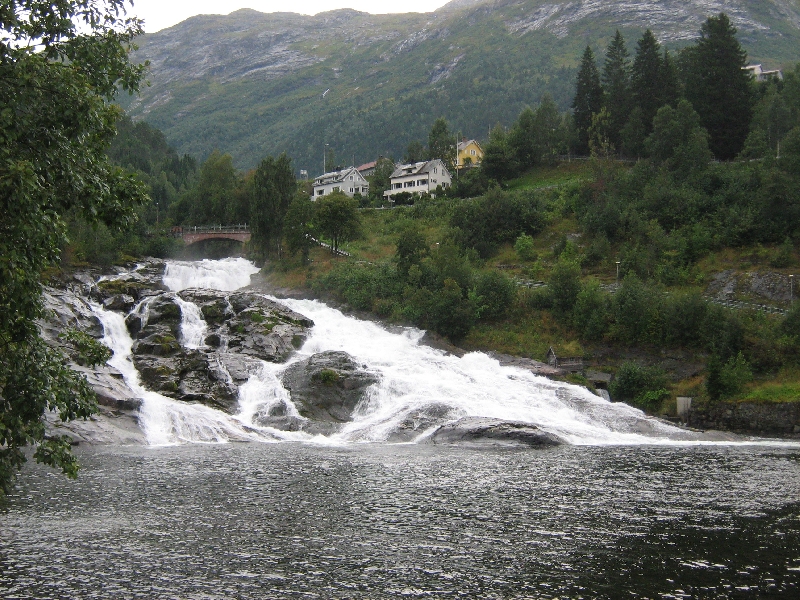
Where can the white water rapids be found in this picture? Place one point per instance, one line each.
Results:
(413, 377)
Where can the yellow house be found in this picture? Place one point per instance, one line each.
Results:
(470, 153)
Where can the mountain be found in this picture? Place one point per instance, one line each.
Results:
(253, 84)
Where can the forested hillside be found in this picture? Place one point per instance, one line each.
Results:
(254, 84)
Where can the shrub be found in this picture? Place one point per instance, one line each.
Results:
(633, 381)
(493, 295)
(524, 248)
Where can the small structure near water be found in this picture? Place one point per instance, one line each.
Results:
(567, 363)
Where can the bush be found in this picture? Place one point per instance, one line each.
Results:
(565, 285)
(591, 312)
(633, 383)
(524, 248)
(493, 295)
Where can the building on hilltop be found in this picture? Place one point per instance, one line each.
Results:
(418, 178)
(349, 180)
(759, 74)
(470, 154)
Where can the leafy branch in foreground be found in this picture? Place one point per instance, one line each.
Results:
(61, 63)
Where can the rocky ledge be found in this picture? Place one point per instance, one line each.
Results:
(240, 329)
(496, 432)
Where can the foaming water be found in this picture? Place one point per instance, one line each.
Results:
(163, 420)
(416, 384)
(226, 275)
(416, 378)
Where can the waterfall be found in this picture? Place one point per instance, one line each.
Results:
(225, 275)
(414, 380)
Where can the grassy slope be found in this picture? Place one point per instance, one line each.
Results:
(530, 333)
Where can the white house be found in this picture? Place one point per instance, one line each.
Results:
(759, 74)
(349, 181)
(418, 178)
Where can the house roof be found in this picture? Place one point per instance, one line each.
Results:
(419, 168)
(464, 143)
(335, 176)
(365, 166)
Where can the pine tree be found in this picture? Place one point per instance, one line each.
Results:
(718, 87)
(646, 84)
(616, 80)
(588, 99)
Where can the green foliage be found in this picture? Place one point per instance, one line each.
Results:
(588, 99)
(412, 247)
(616, 80)
(442, 143)
(643, 386)
(86, 349)
(524, 247)
(274, 186)
(56, 125)
(591, 314)
(328, 376)
(728, 379)
(647, 84)
(497, 217)
(718, 87)
(565, 285)
(678, 141)
(336, 217)
(379, 181)
(493, 295)
(298, 225)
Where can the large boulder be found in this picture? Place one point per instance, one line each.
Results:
(497, 432)
(327, 386)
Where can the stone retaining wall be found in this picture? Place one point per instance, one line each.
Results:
(781, 418)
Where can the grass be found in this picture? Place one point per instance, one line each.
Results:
(551, 176)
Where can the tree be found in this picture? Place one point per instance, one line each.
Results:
(678, 140)
(646, 78)
(522, 139)
(412, 247)
(297, 225)
(336, 216)
(588, 99)
(718, 87)
(274, 186)
(60, 64)
(616, 81)
(414, 153)
(442, 143)
(499, 162)
(380, 180)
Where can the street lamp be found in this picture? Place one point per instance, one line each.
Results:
(617, 272)
(324, 158)
(791, 290)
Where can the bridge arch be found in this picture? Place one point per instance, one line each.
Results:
(193, 234)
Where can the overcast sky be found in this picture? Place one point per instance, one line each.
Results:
(159, 14)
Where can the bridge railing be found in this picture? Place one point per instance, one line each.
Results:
(180, 231)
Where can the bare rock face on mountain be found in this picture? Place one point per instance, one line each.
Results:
(327, 386)
(482, 431)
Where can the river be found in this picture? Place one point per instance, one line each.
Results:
(630, 507)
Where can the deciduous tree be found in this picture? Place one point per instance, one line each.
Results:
(61, 62)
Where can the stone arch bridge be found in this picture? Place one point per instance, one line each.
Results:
(191, 235)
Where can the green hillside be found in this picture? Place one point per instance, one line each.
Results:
(253, 84)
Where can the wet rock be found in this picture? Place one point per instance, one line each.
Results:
(482, 430)
(327, 386)
(419, 420)
(120, 302)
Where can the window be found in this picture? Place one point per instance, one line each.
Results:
(434, 180)
(435, 170)
(351, 190)
(336, 189)
(320, 192)
(473, 152)
(351, 179)
(422, 182)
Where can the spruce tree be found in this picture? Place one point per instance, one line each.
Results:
(719, 88)
(588, 99)
(616, 87)
(646, 83)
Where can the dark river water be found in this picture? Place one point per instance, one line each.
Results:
(379, 521)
